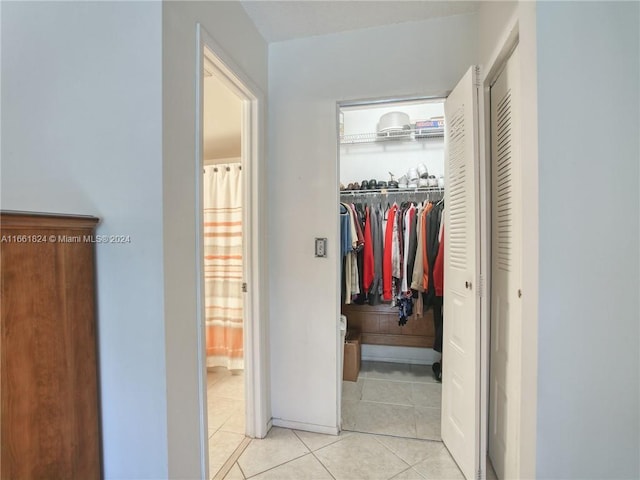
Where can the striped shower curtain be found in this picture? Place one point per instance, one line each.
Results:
(223, 265)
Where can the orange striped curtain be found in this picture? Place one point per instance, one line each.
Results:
(223, 265)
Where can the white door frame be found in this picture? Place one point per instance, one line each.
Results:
(255, 334)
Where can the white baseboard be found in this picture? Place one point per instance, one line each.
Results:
(409, 355)
(307, 427)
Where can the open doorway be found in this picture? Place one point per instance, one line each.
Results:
(391, 166)
(233, 385)
(223, 229)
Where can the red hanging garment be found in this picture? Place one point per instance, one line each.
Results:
(386, 261)
(438, 269)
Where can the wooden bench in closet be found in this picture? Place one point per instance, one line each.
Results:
(379, 326)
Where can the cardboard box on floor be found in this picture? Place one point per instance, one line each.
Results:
(351, 367)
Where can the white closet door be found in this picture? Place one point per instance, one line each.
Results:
(461, 328)
(506, 198)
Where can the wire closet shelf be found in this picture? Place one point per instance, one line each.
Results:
(398, 195)
(393, 135)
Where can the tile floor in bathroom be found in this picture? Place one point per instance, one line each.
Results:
(369, 405)
(225, 398)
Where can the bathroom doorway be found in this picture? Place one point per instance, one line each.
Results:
(223, 266)
(231, 352)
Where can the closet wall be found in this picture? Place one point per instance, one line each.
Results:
(303, 186)
(377, 159)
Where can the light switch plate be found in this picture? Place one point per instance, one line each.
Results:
(321, 247)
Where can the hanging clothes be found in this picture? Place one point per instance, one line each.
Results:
(425, 257)
(368, 268)
(375, 290)
(387, 270)
(418, 267)
(438, 269)
(409, 217)
(413, 243)
(390, 254)
(345, 230)
(433, 244)
(438, 280)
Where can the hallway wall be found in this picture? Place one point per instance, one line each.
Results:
(82, 133)
(98, 117)
(238, 40)
(306, 79)
(589, 171)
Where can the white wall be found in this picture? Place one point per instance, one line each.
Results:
(82, 133)
(306, 79)
(230, 27)
(588, 73)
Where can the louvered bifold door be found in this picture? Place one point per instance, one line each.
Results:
(461, 329)
(504, 376)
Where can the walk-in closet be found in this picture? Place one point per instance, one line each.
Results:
(392, 234)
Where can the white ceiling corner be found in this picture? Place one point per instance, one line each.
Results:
(285, 20)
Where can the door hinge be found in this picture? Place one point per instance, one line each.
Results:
(476, 76)
(244, 287)
(481, 287)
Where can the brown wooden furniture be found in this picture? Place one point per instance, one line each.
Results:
(49, 386)
(379, 326)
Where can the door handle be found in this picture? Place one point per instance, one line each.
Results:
(467, 285)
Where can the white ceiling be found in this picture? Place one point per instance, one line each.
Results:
(285, 20)
(222, 121)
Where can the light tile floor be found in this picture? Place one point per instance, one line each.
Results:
(290, 454)
(393, 399)
(225, 398)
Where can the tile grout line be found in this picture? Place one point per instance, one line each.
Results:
(426, 382)
(411, 468)
(314, 455)
(228, 465)
(375, 437)
(338, 439)
(280, 464)
(323, 465)
(275, 466)
(407, 463)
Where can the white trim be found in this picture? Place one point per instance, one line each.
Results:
(501, 54)
(199, 251)
(307, 427)
(338, 267)
(255, 340)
